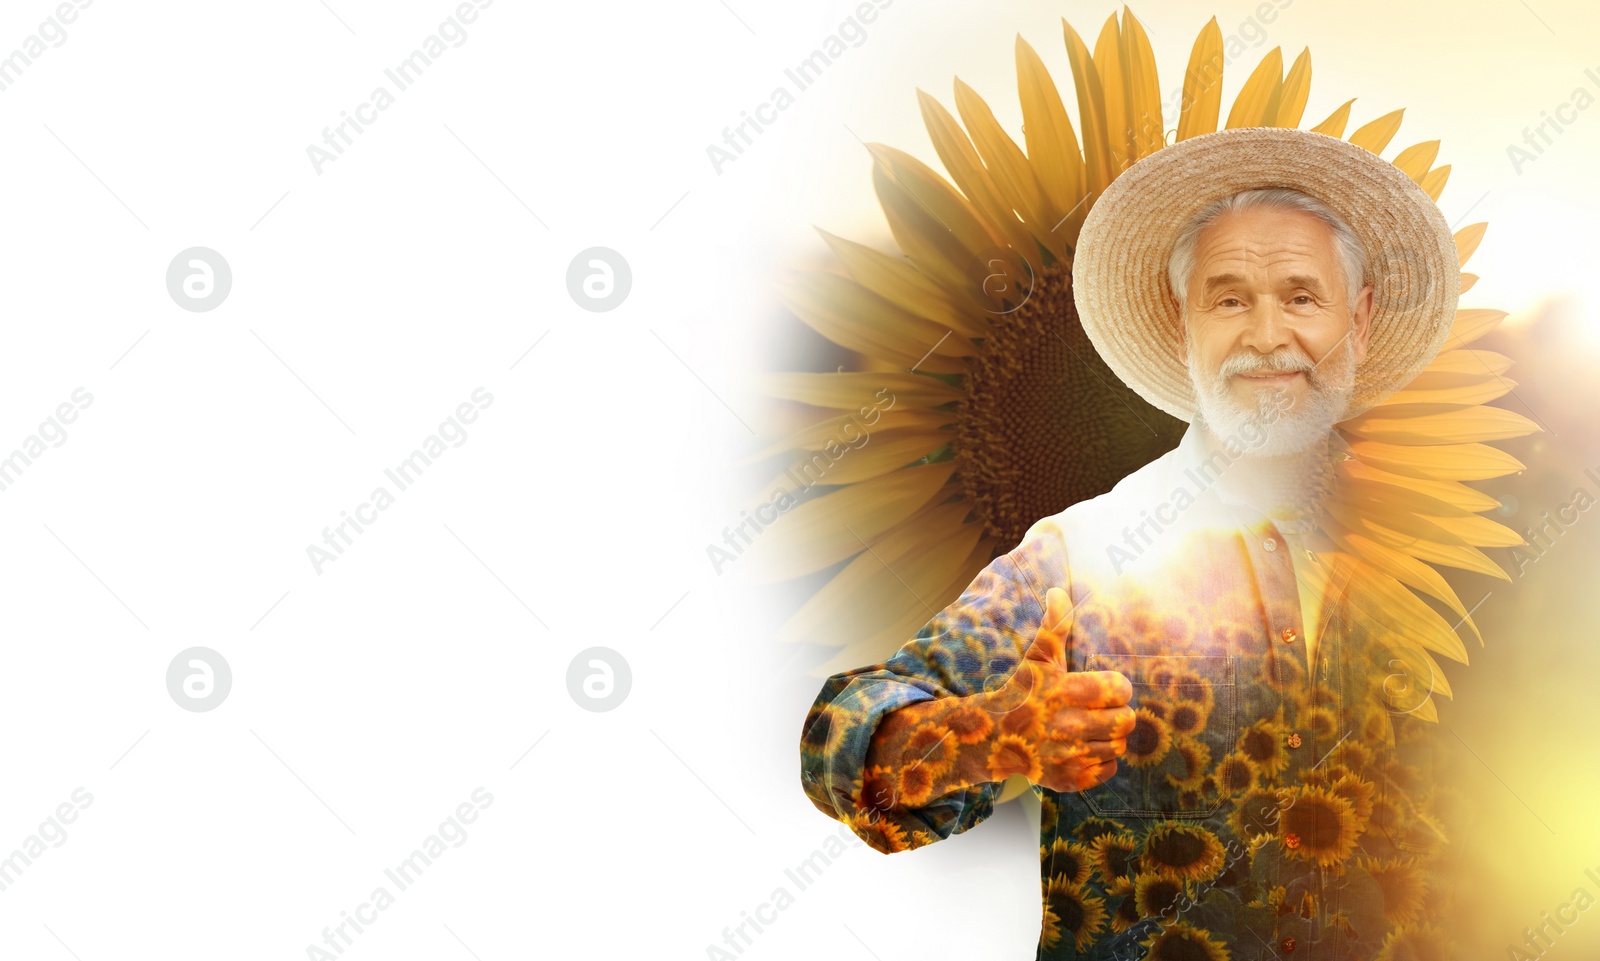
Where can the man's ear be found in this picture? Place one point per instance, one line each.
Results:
(1361, 322)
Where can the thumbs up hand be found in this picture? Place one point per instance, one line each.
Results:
(1075, 722)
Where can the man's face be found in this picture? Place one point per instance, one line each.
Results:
(1271, 341)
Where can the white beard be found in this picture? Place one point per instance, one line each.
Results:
(1286, 428)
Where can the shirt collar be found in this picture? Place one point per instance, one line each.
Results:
(1203, 471)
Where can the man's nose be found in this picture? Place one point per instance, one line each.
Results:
(1267, 327)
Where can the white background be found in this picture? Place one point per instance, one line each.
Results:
(368, 301)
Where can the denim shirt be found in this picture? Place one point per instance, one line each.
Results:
(1268, 806)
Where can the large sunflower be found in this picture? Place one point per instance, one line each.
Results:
(1003, 413)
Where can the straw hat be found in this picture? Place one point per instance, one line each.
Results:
(1119, 273)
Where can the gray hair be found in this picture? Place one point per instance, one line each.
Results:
(1351, 252)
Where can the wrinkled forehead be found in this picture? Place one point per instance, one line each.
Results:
(1265, 238)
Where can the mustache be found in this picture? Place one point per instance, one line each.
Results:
(1282, 360)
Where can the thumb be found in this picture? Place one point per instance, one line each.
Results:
(1057, 605)
(1050, 644)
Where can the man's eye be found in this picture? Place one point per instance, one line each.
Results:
(1228, 302)
(1303, 299)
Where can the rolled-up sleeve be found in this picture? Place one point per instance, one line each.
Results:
(971, 645)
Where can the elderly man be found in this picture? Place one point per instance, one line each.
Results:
(1226, 744)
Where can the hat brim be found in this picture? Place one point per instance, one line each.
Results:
(1119, 271)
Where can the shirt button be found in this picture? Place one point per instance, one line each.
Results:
(1294, 738)
(1287, 944)
(1288, 635)
(1270, 544)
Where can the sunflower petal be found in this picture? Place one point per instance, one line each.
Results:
(902, 284)
(910, 334)
(1438, 461)
(856, 390)
(1145, 124)
(825, 530)
(941, 200)
(1409, 664)
(876, 647)
(1416, 160)
(1052, 145)
(1454, 493)
(1388, 504)
(1427, 424)
(923, 236)
(1480, 391)
(1480, 531)
(1467, 280)
(1420, 538)
(1386, 499)
(1466, 365)
(1202, 84)
(1390, 603)
(1433, 183)
(1376, 135)
(854, 317)
(1009, 169)
(1257, 102)
(889, 450)
(1403, 531)
(845, 430)
(1335, 124)
(1470, 324)
(1092, 115)
(967, 170)
(1296, 90)
(1404, 568)
(1467, 239)
(1113, 74)
(1427, 710)
(882, 584)
(892, 451)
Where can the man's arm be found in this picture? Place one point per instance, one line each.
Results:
(912, 750)
(1057, 728)
(925, 735)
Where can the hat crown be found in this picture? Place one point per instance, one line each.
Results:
(1119, 271)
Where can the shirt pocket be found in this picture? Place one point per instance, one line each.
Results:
(1187, 710)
